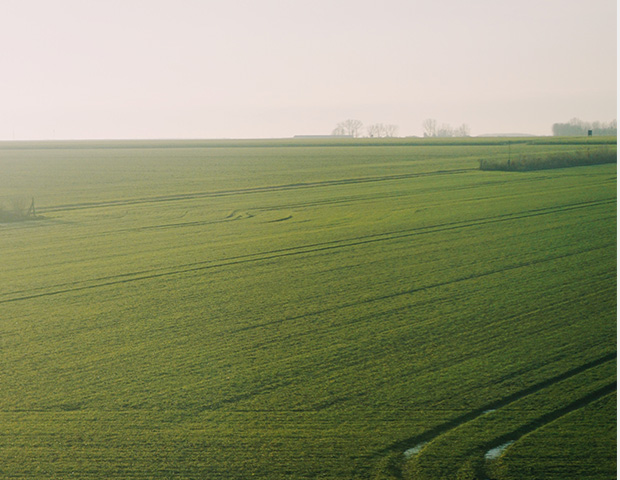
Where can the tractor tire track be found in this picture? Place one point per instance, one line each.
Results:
(549, 417)
(372, 316)
(251, 190)
(315, 248)
(422, 288)
(426, 437)
(197, 223)
(360, 240)
(426, 189)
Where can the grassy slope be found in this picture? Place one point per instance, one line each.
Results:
(169, 319)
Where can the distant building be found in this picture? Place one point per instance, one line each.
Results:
(506, 135)
(323, 136)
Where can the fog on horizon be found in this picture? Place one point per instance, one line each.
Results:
(245, 69)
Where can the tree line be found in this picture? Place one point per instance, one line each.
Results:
(432, 129)
(576, 127)
(355, 128)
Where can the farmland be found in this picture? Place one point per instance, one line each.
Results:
(306, 309)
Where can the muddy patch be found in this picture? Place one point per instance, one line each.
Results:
(497, 451)
(414, 450)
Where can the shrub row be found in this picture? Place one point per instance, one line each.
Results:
(553, 160)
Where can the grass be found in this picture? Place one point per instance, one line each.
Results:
(579, 445)
(286, 309)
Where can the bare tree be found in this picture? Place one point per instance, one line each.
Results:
(391, 130)
(381, 130)
(576, 127)
(445, 131)
(339, 130)
(376, 130)
(349, 127)
(430, 127)
(463, 131)
(432, 130)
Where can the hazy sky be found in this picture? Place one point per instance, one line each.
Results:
(270, 68)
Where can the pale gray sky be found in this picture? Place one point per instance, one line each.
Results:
(276, 68)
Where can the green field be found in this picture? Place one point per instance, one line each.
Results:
(306, 309)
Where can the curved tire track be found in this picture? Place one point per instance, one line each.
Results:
(246, 191)
(314, 248)
(403, 445)
(552, 416)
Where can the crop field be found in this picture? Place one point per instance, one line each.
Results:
(312, 309)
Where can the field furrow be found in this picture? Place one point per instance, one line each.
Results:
(313, 248)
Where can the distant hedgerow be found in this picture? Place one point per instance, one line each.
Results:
(525, 163)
